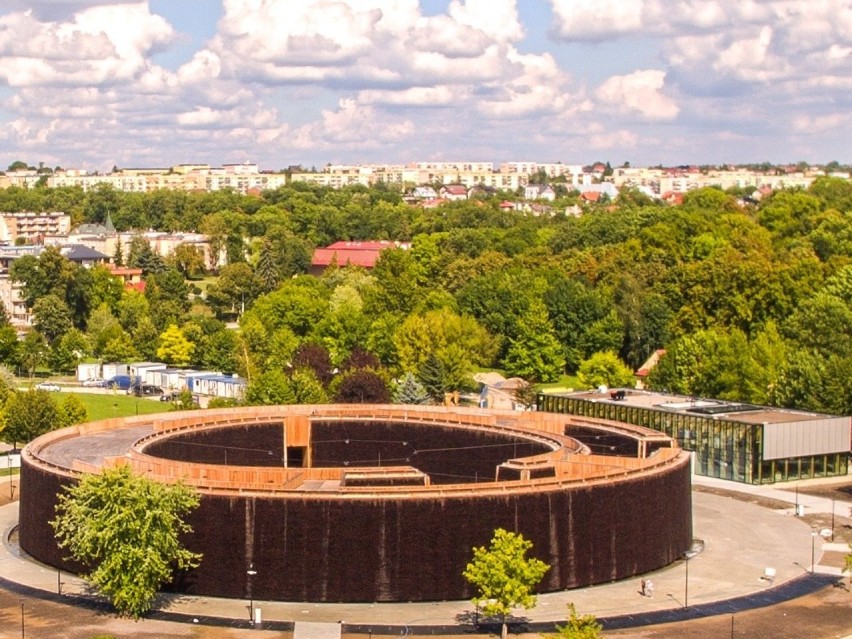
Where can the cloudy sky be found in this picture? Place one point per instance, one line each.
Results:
(93, 83)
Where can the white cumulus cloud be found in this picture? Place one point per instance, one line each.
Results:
(641, 92)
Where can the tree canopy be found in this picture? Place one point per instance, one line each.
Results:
(503, 575)
(749, 297)
(126, 529)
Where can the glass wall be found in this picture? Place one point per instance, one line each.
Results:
(724, 449)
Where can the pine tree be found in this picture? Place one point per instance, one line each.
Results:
(409, 391)
(431, 375)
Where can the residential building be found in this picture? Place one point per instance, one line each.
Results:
(32, 227)
(539, 192)
(363, 254)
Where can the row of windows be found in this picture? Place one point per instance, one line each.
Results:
(723, 449)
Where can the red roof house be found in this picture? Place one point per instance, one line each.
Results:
(363, 254)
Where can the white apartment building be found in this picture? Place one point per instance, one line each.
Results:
(30, 226)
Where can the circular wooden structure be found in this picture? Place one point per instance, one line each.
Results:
(358, 503)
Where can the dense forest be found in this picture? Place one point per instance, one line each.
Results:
(752, 301)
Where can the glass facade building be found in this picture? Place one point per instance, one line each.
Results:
(739, 442)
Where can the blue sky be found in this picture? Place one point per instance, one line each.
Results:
(96, 83)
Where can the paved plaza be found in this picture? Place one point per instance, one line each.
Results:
(741, 540)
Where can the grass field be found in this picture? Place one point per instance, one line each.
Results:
(119, 404)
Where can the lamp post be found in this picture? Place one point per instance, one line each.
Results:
(686, 583)
(832, 521)
(813, 548)
(22, 620)
(251, 572)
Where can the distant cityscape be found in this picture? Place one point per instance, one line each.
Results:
(508, 176)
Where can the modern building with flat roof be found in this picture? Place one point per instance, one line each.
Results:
(728, 440)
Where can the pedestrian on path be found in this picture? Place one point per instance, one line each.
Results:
(642, 586)
(649, 588)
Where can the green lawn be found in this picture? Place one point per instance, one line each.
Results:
(119, 404)
(564, 383)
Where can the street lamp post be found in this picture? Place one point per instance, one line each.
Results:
(686, 584)
(832, 521)
(22, 620)
(813, 550)
(251, 572)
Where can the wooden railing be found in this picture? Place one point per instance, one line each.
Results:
(570, 460)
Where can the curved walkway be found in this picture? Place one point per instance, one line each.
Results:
(741, 541)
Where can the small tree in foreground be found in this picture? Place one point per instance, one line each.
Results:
(577, 627)
(503, 575)
(125, 530)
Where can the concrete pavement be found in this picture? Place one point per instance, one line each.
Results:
(741, 540)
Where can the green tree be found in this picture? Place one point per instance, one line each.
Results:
(184, 400)
(102, 328)
(454, 339)
(174, 347)
(605, 369)
(121, 348)
(188, 260)
(73, 410)
(8, 344)
(504, 576)
(51, 316)
(535, 354)
(235, 291)
(270, 388)
(127, 531)
(578, 626)
(67, 351)
(396, 282)
(106, 288)
(146, 338)
(32, 352)
(307, 388)
(29, 414)
(408, 390)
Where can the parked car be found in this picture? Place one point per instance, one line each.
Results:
(49, 386)
(144, 390)
(170, 396)
(94, 383)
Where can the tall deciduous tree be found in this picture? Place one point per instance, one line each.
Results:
(535, 354)
(175, 348)
(126, 530)
(503, 575)
(32, 351)
(51, 316)
(269, 388)
(604, 369)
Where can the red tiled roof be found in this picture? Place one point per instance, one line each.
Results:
(345, 245)
(591, 196)
(363, 254)
(365, 258)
